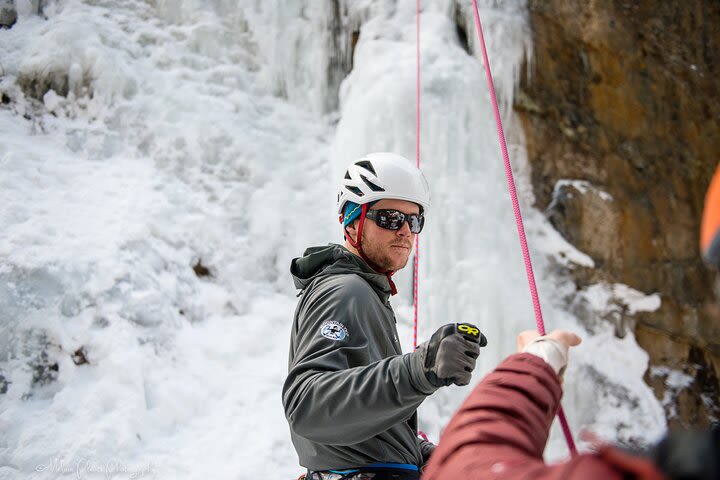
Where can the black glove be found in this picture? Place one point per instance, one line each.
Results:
(450, 354)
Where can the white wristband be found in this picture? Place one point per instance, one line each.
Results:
(551, 351)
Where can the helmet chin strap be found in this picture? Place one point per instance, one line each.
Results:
(358, 247)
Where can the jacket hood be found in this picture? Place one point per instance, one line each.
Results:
(333, 259)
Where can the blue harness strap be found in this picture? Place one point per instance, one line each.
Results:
(401, 466)
(377, 468)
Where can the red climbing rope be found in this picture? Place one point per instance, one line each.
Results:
(518, 215)
(417, 162)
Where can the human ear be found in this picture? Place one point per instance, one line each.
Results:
(351, 230)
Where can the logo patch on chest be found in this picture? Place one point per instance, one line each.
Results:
(333, 330)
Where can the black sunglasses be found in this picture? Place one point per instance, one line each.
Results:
(394, 220)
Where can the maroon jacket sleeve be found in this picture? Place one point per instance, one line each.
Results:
(501, 430)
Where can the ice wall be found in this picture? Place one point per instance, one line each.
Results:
(142, 143)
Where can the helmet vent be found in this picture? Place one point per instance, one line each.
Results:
(367, 166)
(347, 175)
(373, 187)
(356, 191)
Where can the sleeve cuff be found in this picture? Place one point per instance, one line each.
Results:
(413, 362)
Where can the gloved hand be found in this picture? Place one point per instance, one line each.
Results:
(449, 356)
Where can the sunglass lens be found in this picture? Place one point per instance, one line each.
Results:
(395, 220)
(416, 223)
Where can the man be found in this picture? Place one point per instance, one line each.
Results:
(501, 430)
(351, 395)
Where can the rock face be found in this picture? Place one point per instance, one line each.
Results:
(624, 96)
(8, 15)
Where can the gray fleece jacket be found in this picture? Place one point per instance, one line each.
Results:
(351, 395)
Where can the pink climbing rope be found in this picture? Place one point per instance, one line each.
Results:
(417, 163)
(518, 215)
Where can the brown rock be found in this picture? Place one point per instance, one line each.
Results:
(624, 96)
(8, 15)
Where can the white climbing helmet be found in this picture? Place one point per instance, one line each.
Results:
(383, 175)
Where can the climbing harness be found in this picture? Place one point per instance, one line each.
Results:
(375, 471)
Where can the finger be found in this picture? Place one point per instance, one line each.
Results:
(568, 339)
(574, 340)
(468, 363)
(461, 344)
(471, 349)
(526, 337)
(472, 354)
(470, 344)
(463, 379)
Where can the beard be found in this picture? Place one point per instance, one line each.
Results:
(385, 256)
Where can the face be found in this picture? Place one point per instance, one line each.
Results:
(388, 249)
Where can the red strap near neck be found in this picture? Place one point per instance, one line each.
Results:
(393, 288)
(358, 247)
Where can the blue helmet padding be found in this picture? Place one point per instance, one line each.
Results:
(352, 211)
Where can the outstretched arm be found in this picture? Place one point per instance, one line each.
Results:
(501, 430)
